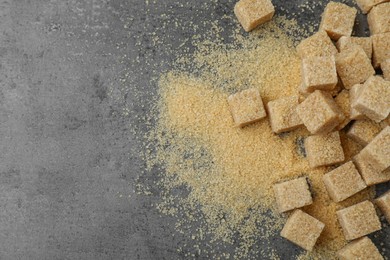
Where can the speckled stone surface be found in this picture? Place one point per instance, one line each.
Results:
(69, 159)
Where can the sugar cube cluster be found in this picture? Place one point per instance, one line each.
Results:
(340, 94)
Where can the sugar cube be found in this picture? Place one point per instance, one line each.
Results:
(379, 18)
(374, 99)
(370, 175)
(359, 220)
(343, 182)
(252, 13)
(353, 66)
(246, 107)
(378, 150)
(319, 73)
(292, 194)
(363, 131)
(320, 113)
(338, 20)
(302, 229)
(283, 115)
(362, 248)
(324, 149)
(319, 44)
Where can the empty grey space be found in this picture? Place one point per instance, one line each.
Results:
(70, 160)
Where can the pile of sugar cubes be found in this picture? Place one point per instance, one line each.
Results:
(339, 91)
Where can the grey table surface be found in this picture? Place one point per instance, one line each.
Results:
(69, 159)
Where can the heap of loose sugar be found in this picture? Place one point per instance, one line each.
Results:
(228, 172)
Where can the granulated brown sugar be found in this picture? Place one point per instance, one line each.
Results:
(229, 172)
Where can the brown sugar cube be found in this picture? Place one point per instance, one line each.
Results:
(378, 150)
(385, 66)
(302, 229)
(363, 131)
(370, 175)
(338, 20)
(381, 48)
(366, 5)
(379, 19)
(374, 99)
(323, 150)
(346, 42)
(246, 107)
(353, 66)
(353, 95)
(359, 220)
(317, 45)
(252, 13)
(343, 182)
(343, 101)
(283, 115)
(292, 194)
(319, 73)
(383, 202)
(362, 248)
(320, 113)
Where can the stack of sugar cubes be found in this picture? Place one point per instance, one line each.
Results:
(340, 91)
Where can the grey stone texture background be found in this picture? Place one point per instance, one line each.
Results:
(70, 161)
